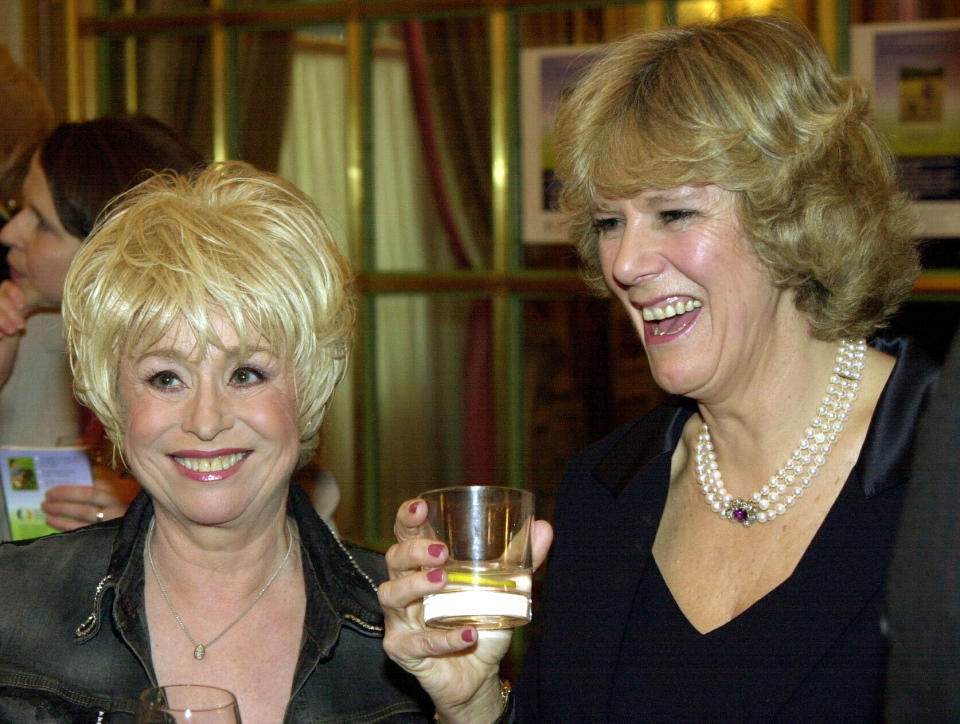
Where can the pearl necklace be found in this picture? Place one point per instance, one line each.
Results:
(199, 649)
(789, 483)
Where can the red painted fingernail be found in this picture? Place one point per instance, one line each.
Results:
(435, 575)
(413, 507)
(435, 549)
(468, 635)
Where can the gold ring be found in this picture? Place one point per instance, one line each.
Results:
(99, 515)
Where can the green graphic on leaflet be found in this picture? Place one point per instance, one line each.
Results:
(26, 474)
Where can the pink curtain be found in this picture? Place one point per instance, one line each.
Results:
(479, 462)
(448, 61)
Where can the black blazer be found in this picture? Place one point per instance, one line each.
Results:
(606, 518)
(924, 680)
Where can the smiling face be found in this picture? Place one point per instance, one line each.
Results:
(697, 293)
(40, 248)
(213, 440)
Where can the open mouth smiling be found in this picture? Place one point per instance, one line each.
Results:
(213, 464)
(674, 309)
(668, 319)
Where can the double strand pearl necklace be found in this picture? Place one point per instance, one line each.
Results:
(199, 649)
(789, 483)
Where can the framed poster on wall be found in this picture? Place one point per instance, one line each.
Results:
(914, 71)
(544, 74)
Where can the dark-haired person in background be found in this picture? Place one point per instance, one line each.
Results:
(26, 117)
(77, 170)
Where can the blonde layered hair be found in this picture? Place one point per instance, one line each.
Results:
(230, 241)
(752, 105)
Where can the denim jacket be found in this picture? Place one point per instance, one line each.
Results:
(74, 644)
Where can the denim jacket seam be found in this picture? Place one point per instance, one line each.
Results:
(50, 685)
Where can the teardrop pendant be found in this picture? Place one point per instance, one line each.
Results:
(199, 652)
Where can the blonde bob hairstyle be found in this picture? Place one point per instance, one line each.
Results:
(230, 241)
(749, 104)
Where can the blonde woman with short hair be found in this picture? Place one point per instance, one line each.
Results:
(209, 320)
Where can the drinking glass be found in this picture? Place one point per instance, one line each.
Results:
(487, 530)
(187, 703)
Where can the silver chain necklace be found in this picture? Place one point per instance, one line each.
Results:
(790, 482)
(200, 650)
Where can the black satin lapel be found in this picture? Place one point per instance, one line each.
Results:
(636, 449)
(842, 574)
(887, 450)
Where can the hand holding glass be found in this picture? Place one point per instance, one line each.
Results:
(188, 703)
(487, 530)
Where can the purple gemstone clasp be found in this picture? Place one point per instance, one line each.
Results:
(740, 511)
